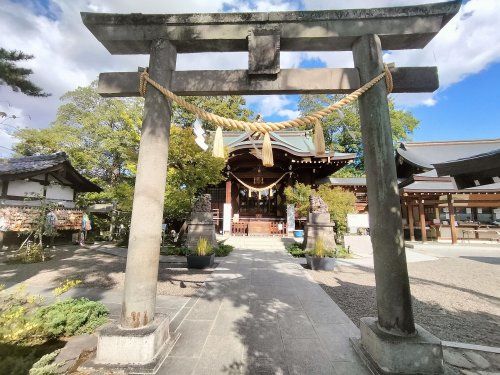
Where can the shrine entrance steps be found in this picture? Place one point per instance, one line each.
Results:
(261, 313)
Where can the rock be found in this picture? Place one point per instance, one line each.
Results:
(203, 203)
(477, 359)
(456, 359)
(73, 351)
(317, 205)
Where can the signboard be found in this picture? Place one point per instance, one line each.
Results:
(226, 218)
(290, 218)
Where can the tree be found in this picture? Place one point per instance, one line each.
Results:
(342, 129)
(340, 202)
(298, 195)
(101, 137)
(16, 77)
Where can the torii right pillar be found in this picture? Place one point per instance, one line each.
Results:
(392, 342)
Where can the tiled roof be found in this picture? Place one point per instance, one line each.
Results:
(31, 163)
(425, 154)
(28, 166)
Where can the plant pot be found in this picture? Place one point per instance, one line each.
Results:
(200, 261)
(320, 263)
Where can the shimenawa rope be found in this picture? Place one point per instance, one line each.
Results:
(266, 127)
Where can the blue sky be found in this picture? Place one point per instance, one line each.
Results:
(466, 52)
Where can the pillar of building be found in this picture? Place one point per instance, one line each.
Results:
(411, 223)
(392, 340)
(421, 213)
(228, 191)
(453, 224)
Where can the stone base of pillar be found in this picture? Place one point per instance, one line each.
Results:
(200, 230)
(319, 226)
(390, 354)
(140, 350)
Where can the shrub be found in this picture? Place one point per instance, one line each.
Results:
(340, 202)
(46, 365)
(70, 317)
(203, 247)
(65, 286)
(223, 250)
(298, 195)
(31, 253)
(296, 250)
(173, 250)
(342, 252)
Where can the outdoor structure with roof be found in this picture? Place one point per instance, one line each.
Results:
(255, 194)
(392, 340)
(442, 208)
(26, 181)
(449, 191)
(48, 176)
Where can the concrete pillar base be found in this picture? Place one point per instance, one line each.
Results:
(140, 350)
(390, 354)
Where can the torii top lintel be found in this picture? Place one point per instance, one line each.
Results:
(329, 30)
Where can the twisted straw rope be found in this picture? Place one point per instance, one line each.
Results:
(264, 127)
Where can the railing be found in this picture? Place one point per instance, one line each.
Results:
(259, 226)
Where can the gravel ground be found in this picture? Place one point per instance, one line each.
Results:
(457, 299)
(98, 270)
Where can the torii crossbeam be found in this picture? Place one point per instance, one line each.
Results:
(365, 32)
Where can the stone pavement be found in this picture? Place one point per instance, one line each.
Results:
(261, 313)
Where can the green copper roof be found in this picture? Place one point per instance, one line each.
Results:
(296, 142)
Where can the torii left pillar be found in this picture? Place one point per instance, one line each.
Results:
(141, 335)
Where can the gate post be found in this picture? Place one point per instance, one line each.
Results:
(141, 337)
(391, 341)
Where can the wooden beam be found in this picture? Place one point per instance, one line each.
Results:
(421, 212)
(327, 30)
(287, 81)
(453, 228)
(411, 221)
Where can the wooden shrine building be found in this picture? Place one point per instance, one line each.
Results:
(255, 193)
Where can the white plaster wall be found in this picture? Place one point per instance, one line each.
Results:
(21, 188)
(59, 192)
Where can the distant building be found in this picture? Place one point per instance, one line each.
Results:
(27, 180)
(462, 202)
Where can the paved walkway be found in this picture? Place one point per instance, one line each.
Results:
(261, 313)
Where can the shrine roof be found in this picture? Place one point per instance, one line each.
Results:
(425, 154)
(296, 142)
(343, 181)
(58, 163)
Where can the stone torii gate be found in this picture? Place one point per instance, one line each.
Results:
(392, 341)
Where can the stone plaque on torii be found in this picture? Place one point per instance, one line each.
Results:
(365, 32)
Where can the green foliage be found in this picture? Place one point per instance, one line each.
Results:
(232, 106)
(190, 170)
(173, 250)
(101, 137)
(31, 252)
(342, 252)
(17, 77)
(46, 365)
(296, 250)
(223, 250)
(203, 247)
(319, 249)
(299, 196)
(65, 286)
(340, 202)
(343, 134)
(23, 321)
(73, 316)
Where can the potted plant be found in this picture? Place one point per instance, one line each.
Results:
(320, 258)
(203, 256)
